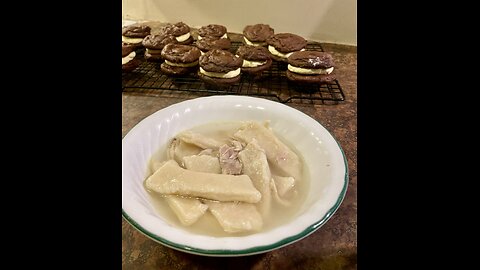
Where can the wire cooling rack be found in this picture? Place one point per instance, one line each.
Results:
(148, 79)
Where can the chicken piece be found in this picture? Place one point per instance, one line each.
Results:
(255, 165)
(171, 179)
(229, 162)
(278, 154)
(236, 217)
(187, 210)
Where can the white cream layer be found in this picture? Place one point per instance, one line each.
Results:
(279, 54)
(224, 36)
(183, 37)
(248, 42)
(192, 64)
(132, 40)
(128, 58)
(249, 64)
(222, 75)
(309, 70)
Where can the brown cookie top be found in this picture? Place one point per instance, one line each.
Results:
(127, 49)
(253, 53)
(214, 30)
(311, 59)
(287, 42)
(136, 31)
(209, 43)
(220, 61)
(157, 42)
(258, 32)
(176, 29)
(178, 53)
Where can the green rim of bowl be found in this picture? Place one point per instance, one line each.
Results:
(253, 250)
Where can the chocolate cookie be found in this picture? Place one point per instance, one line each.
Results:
(257, 34)
(127, 49)
(175, 71)
(180, 31)
(178, 53)
(281, 45)
(255, 59)
(212, 30)
(220, 68)
(134, 34)
(154, 45)
(157, 42)
(209, 43)
(220, 61)
(131, 65)
(136, 31)
(317, 79)
(311, 60)
(129, 62)
(310, 67)
(179, 59)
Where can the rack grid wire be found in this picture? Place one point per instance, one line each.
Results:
(148, 79)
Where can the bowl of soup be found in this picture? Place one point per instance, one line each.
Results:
(230, 176)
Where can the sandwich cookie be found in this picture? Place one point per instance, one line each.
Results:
(256, 59)
(129, 62)
(213, 30)
(179, 59)
(282, 45)
(154, 45)
(134, 34)
(220, 68)
(310, 67)
(180, 31)
(257, 34)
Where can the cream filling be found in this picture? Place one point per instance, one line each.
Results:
(132, 40)
(150, 51)
(183, 37)
(250, 64)
(248, 42)
(279, 54)
(224, 36)
(222, 75)
(192, 64)
(128, 58)
(309, 70)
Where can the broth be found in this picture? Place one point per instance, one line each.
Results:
(207, 224)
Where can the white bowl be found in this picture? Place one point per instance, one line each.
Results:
(324, 157)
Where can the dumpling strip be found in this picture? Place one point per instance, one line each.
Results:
(203, 163)
(255, 165)
(236, 217)
(171, 179)
(199, 140)
(179, 149)
(284, 185)
(187, 210)
(278, 154)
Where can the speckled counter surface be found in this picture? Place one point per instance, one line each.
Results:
(333, 246)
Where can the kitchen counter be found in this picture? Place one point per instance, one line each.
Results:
(333, 246)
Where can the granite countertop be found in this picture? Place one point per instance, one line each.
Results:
(333, 246)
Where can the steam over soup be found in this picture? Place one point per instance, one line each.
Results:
(227, 178)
